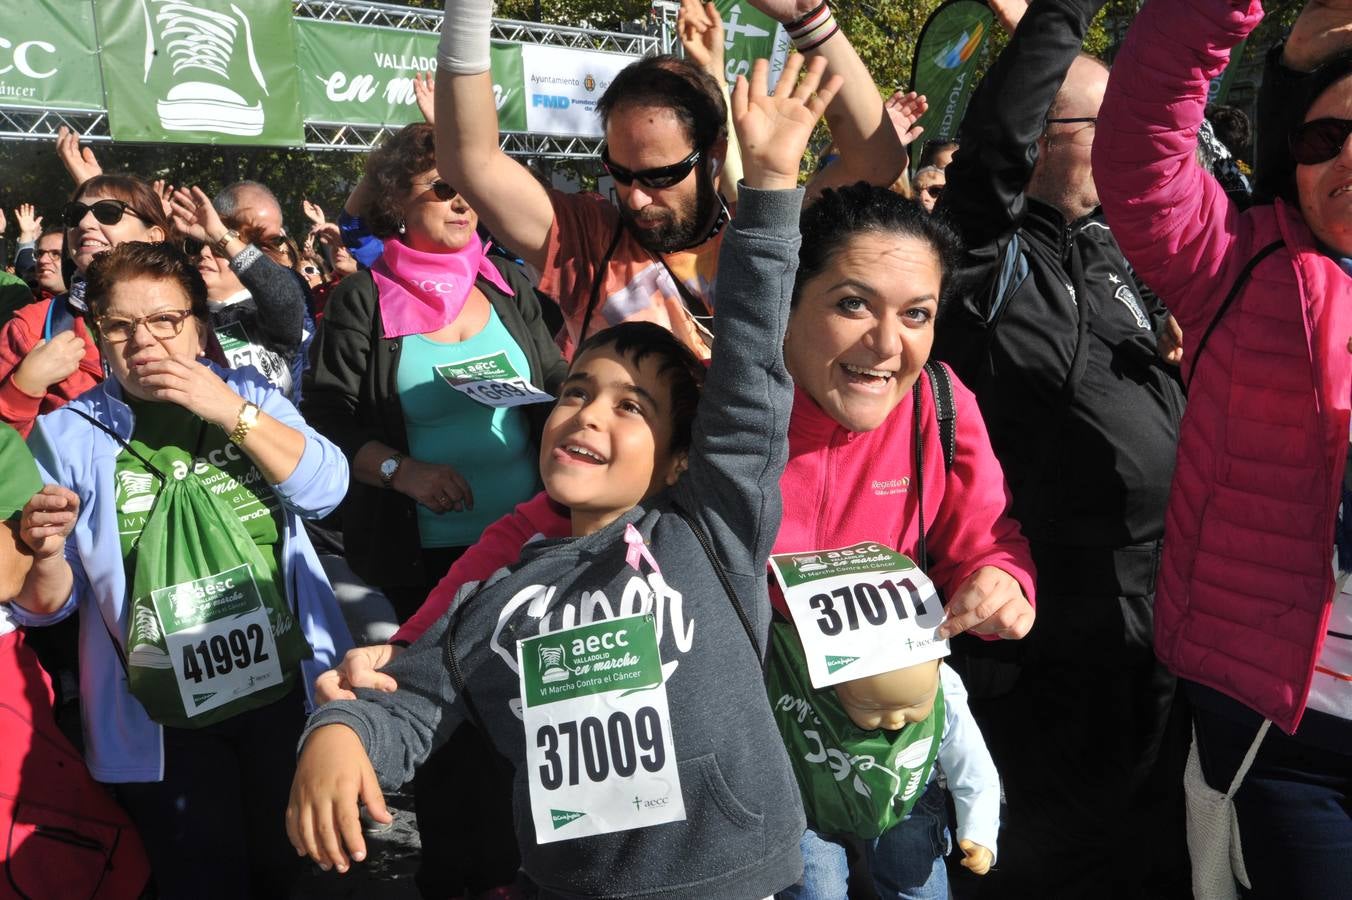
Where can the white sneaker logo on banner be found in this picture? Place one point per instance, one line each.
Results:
(201, 44)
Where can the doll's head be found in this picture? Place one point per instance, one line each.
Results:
(891, 700)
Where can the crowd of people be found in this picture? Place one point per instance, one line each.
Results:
(951, 529)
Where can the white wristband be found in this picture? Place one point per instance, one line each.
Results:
(465, 27)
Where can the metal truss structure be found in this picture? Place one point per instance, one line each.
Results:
(22, 123)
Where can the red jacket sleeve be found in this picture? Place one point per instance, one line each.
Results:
(973, 527)
(500, 545)
(1173, 221)
(16, 408)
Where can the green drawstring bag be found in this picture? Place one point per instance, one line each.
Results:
(209, 635)
(852, 781)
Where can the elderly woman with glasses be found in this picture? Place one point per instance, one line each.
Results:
(46, 354)
(1254, 609)
(207, 794)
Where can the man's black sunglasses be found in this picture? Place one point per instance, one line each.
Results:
(1319, 140)
(655, 178)
(106, 212)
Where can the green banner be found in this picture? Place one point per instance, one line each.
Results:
(360, 75)
(750, 34)
(49, 56)
(209, 71)
(946, 56)
(1219, 88)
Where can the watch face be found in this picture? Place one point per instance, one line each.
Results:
(388, 467)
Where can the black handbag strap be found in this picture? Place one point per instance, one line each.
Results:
(1229, 300)
(598, 279)
(945, 409)
(722, 573)
(117, 437)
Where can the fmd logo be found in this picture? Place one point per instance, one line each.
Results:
(550, 101)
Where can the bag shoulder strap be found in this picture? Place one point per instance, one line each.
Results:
(1235, 288)
(1248, 759)
(707, 546)
(599, 279)
(117, 437)
(60, 319)
(945, 410)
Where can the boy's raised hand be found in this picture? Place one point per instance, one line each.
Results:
(773, 129)
(322, 820)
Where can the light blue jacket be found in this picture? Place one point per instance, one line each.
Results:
(122, 743)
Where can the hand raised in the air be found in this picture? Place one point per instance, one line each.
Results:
(773, 129)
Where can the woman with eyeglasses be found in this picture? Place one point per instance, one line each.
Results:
(47, 356)
(208, 799)
(1254, 608)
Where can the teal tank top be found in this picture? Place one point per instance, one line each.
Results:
(489, 446)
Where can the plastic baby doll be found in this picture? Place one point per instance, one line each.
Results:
(893, 700)
(865, 754)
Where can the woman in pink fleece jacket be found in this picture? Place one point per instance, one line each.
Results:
(870, 280)
(1251, 613)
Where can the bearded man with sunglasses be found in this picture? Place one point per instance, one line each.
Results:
(1059, 342)
(653, 255)
(1255, 602)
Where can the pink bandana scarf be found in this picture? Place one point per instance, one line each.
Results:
(421, 292)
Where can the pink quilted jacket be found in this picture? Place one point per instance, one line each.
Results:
(1247, 577)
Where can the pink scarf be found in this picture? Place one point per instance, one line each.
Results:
(423, 292)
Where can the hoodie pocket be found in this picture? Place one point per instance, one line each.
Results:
(703, 781)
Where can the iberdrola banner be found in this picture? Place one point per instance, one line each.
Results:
(749, 35)
(1219, 89)
(206, 71)
(946, 57)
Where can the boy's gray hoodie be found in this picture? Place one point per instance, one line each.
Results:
(744, 818)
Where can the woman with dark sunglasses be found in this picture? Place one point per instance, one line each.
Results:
(434, 372)
(1254, 609)
(47, 356)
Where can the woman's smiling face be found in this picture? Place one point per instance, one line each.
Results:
(863, 327)
(90, 237)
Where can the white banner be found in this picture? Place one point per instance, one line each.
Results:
(563, 85)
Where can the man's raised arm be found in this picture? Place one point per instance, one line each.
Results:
(506, 196)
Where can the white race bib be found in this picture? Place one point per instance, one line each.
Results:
(599, 750)
(220, 643)
(860, 611)
(491, 380)
(241, 352)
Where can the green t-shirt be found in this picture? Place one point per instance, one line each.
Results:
(223, 469)
(19, 477)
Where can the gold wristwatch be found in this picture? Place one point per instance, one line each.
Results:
(223, 241)
(248, 418)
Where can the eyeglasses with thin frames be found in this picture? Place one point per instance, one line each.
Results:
(163, 325)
